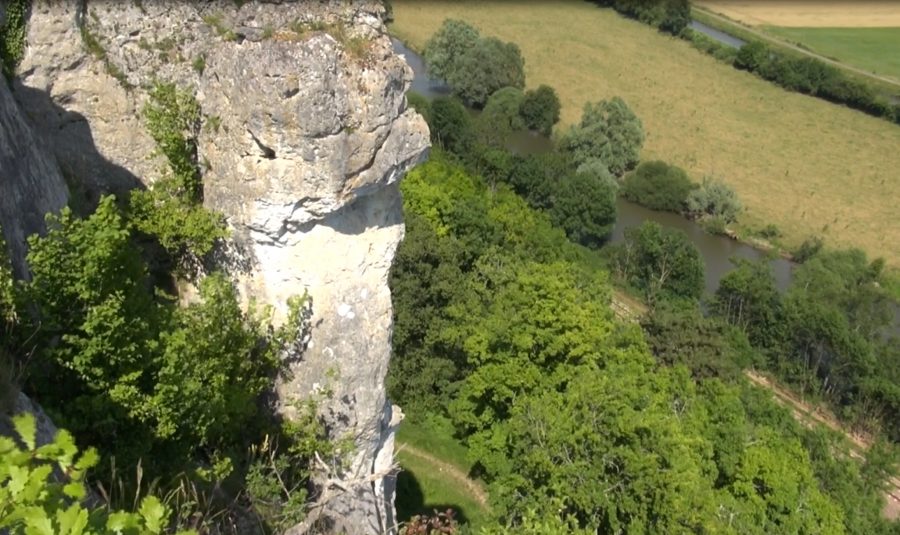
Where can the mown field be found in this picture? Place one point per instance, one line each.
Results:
(808, 166)
(875, 49)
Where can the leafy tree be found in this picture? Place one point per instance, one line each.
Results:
(608, 131)
(490, 65)
(540, 109)
(451, 126)
(500, 116)
(445, 49)
(536, 177)
(585, 207)
(748, 298)
(660, 262)
(474, 66)
(714, 198)
(706, 346)
(658, 186)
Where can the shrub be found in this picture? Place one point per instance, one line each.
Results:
(420, 104)
(770, 231)
(753, 56)
(584, 206)
(658, 186)
(501, 116)
(714, 198)
(540, 109)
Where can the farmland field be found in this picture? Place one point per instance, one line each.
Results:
(808, 166)
(809, 13)
(875, 49)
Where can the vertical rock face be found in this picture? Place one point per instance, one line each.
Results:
(30, 182)
(306, 133)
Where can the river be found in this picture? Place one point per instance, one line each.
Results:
(716, 251)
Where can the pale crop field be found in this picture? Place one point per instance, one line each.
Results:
(808, 166)
(809, 13)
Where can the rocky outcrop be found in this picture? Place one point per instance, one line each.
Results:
(30, 182)
(306, 133)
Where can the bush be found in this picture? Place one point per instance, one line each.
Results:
(584, 206)
(419, 103)
(753, 56)
(658, 186)
(540, 109)
(714, 198)
(770, 231)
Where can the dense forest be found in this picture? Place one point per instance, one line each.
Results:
(579, 420)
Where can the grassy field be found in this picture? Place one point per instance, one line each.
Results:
(874, 49)
(425, 485)
(808, 166)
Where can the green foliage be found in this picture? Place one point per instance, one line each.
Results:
(41, 489)
(540, 109)
(714, 198)
(162, 375)
(808, 249)
(752, 56)
(670, 16)
(451, 125)
(658, 186)
(501, 116)
(747, 298)
(171, 210)
(12, 36)
(608, 131)
(662, 263)
(474, 66)
(585, 207)
(706, 346)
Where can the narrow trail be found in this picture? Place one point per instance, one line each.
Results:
(448, 470)
(788, 44)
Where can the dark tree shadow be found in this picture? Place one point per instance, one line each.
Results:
(410, 500)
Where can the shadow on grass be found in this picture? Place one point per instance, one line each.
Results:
(410, 500)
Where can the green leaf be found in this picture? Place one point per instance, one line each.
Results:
(154, 514)
(26, 428)
(119, 521)
(73, 520)
(74, 490)
(88, 459)
(37, 522)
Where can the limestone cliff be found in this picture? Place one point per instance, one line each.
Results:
(306, 133)
(30, 182)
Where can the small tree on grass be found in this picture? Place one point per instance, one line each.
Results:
(716, 199)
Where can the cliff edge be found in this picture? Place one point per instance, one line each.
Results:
(306, 132)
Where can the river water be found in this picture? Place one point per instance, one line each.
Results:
(718, 35)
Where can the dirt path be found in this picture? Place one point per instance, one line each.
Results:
(787, 44)
(448, 470)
